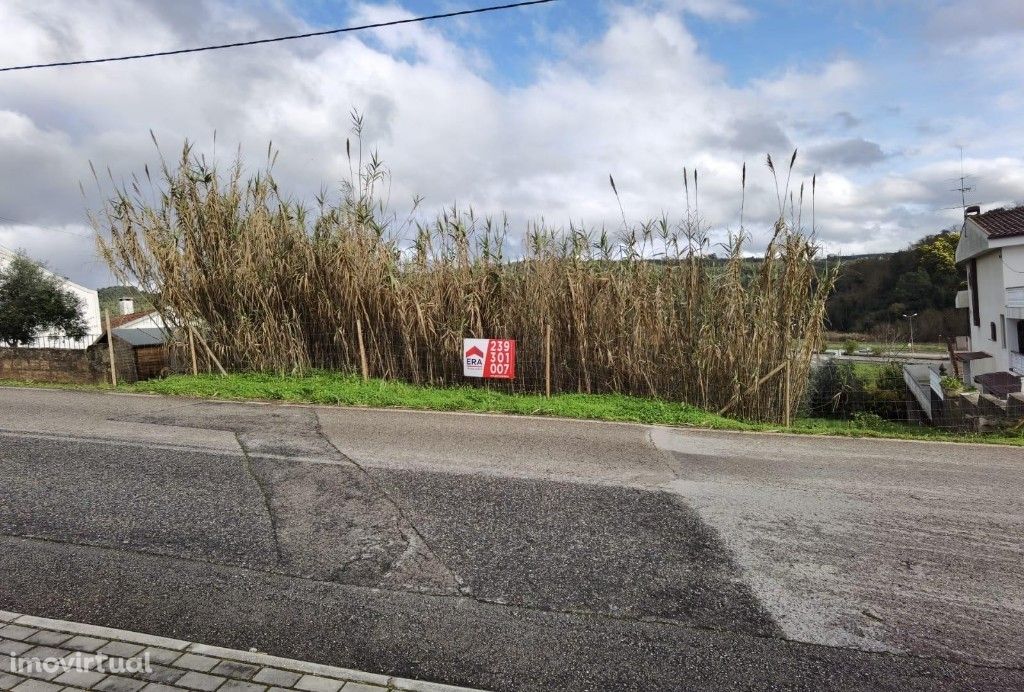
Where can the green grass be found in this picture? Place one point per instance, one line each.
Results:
(350, 390)
(868, 372)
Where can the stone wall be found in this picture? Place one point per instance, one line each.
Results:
(124, 356)
(74, 366)
(68, 366)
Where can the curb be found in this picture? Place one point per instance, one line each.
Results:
(347, 675)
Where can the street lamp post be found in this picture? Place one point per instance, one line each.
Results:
(910, 319)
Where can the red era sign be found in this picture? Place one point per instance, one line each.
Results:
(489, 358)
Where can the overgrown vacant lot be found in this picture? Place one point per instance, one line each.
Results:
(644, 311)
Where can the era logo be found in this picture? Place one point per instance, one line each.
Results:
(474, 357)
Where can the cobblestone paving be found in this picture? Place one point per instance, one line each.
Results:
(118, 661)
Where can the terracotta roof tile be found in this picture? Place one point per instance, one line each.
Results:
(117, 321)
(1001, 223)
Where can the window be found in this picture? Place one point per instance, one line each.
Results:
(972, 285)
(992, 327)
(1002, 330)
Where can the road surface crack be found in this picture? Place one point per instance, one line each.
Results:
(265, 494)
(416, 541)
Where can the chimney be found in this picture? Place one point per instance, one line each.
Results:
(972, 210)
(127, 305)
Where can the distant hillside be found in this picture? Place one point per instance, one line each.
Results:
(874, 291)
(111, 294)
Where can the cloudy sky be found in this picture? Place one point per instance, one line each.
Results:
(528, 111)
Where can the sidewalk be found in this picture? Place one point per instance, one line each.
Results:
(32, 650)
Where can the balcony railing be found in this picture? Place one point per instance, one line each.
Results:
(62, 342)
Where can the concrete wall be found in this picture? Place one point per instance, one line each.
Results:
(991, 305)
(973, 241)
(1013, 265)
(1013, 277)
(151, 322)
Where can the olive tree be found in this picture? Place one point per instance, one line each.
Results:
(33, 300)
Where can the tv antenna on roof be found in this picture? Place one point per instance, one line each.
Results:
(964, 187)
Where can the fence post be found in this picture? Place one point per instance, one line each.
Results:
(110, 349)
(192, 350)
(547, 360)
(787, 420)
(362, 350)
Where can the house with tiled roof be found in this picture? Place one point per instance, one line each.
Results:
(139, 327)
(992, 248)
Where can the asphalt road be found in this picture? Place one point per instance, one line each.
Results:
(517, 554)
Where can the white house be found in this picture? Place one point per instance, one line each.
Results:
(992, 247)
(146, 327)
(90, 303)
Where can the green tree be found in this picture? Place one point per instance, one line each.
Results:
(915, 290)
(938, 254)
(875, 290)
(111, 295)
(32, 300)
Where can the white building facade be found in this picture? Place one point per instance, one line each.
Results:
(90, 304)
(992, 248)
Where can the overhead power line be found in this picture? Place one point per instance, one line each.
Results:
(276, 39)
(15, 222)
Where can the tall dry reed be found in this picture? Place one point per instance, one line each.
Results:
(276, 286)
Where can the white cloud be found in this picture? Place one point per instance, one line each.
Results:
(798, 89)
(982, 38)
(640, 102)
(723, 10)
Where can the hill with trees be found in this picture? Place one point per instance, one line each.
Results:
(109, 296)
(872, 293)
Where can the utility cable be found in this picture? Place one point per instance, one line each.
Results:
(276, 39)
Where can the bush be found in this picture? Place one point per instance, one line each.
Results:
(862, 419)
(850, 346)
(835, 390)
(886, 396)
(891, 377)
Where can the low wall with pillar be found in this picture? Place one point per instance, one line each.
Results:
(68, 366)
